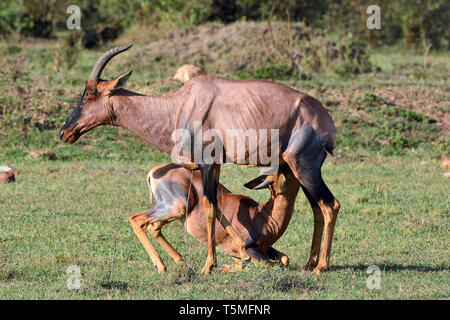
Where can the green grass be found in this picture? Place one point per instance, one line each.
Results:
(395, 214)
(392, 132)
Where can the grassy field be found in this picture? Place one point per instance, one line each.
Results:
(394, 215)
(71, 206)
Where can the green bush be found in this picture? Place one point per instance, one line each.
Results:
(353, 57)
(387, 128)
(9, 17)
(407, 20)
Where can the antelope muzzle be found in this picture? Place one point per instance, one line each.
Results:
(69, 132)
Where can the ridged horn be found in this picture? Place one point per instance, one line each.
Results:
(104, 59)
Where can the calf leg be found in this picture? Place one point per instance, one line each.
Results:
(139, 222)
(236, 238)
(237, 266)
(274, 254)
(154, 228)
(155, 231)
(256, 256)
(153, 219)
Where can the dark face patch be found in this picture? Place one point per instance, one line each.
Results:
(74, 117)
(70, 131)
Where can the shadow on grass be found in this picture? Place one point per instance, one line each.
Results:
(391, 267)
(123, 286)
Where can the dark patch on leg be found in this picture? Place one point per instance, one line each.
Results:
(315, 185)
(305, 155)
(312, 202)
(272, 253)
(253, 251)
(209, 180)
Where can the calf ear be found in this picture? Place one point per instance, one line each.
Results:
(117, 83)
(258, 183)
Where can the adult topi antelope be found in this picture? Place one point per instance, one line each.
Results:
(305, 131)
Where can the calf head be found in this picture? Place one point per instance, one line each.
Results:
(276, 182)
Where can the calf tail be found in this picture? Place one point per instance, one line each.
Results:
(150, 192)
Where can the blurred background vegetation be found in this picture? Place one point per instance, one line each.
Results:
(406, 21)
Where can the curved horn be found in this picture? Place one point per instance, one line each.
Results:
(258, 183)
(104, 59)
(263, 185)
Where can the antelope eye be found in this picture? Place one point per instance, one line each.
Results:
(87, 96)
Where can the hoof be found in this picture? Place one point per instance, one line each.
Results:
(319, 269)
(181, 262)
(208, 268)
(285, 261)
(310, 266)
(161, 269)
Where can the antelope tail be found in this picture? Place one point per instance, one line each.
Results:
(150, 192)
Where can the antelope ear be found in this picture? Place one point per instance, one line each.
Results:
(258, 183)
(118, 82)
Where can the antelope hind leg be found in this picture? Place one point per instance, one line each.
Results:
(305, 156)
(317, 233)
(154, 228)
(139, 222)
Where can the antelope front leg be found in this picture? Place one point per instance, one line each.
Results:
(210, 180)
(210, 211)
(237, 239)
